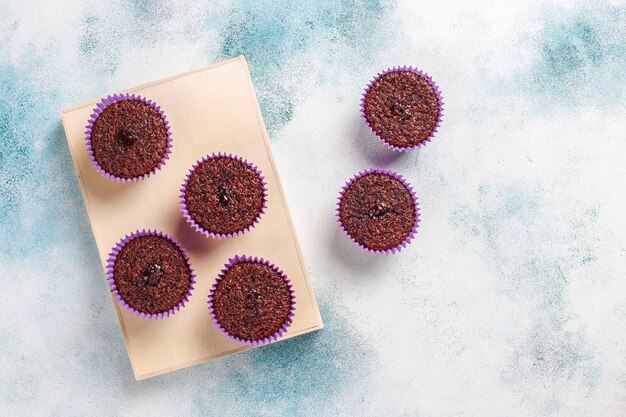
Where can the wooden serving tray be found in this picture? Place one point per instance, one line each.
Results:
(210, 109)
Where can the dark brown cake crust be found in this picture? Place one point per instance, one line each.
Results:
(224, 195)
(402, 108)
(252, 301)
(129, 138)
(151, 274)
(378, 211)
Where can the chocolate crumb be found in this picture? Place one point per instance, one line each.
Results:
(153, 274)
(127, 137)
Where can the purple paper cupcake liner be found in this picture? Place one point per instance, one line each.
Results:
(437, 92)
(110, 273)
(408, 186)
(243, 258)
(92, 119)
(194, 224)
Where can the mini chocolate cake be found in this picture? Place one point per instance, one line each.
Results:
(151, 274)
(223, 195)
(402, 107)
(377, 209)
(252, 301)
(129, 138)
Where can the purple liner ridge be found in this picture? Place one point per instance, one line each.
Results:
(437, 92)
(92, 119)
(243, 258)
(183, 203)
(408, 186)
(111, 266)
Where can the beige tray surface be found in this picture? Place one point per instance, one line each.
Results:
(210, 109)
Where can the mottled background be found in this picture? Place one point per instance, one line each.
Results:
(510, 302)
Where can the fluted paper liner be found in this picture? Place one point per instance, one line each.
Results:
(111, 277)
(190, 219)
(437, 92)
(243, 258)
(397, 176)
(99, 109)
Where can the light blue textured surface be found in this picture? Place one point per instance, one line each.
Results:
(510, 302)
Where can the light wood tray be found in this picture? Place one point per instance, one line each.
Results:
(210, 109)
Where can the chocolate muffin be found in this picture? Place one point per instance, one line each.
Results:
(150, 274)
(128, 137)
(378, 211)
(223, 195)
(403, 107)
(252, 301)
